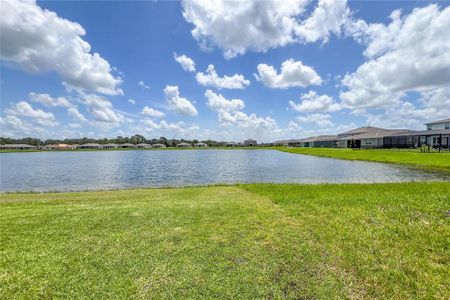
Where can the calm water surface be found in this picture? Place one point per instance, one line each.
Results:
(67, 171)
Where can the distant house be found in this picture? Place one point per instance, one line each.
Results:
(184, 145)
(17, 147)
(127, 145)
(59, 147)
(320, 141)
(250, 142)
(110, 146)
(287, 143)
(89, 146)
(365, 137)
(143, 146)
(158, 146)
(200, 145)
(230, 144)
(441, 124)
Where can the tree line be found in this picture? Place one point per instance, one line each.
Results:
(135, 139)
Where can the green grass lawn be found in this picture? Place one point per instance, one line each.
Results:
(431, 161)
(374, 241)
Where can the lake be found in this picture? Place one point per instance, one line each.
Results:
(95, 170)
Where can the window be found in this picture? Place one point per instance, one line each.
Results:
(429, 127)
(447, 125)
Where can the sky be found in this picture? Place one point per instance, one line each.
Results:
(222, 70)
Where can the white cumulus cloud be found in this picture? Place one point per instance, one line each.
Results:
(185, 61)
(25, 109)
(102, 109)
(411, 54)
(322, 120)
(238, 26)
(292, 74)
(148, 111)
(49, 101)
(177, 103)
(312, 102)
(218, 103)
(38, 40)
(75, 113)
(211, 79)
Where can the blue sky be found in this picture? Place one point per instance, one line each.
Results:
(382, 63)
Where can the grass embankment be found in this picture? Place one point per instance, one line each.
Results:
(430, 161)
(250, 241)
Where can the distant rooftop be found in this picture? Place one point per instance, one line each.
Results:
(439, 121)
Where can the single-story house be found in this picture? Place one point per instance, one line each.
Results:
(158, 146)
(250, 142)
(127, 145)
(320, 141)
(89, 146)
(287, 143)
(17, 147)
(436, 138)
(184, 145)
(59, 147)
(364, 137)
(230, 144)
(110, 146)
(200, 145)
(143, 146)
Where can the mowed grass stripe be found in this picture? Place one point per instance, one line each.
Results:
(385, 240)
(240, 242)
(220, 242)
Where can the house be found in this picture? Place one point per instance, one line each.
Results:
(250, 143)
(287, 143)
(320, 141)
(158, 146)
(127, 145)
(437, 135)
(230, 144)
(17, 147)
(89, 146)
(143, 146)
(436, 138)
(441, 124)
(364, 137)
(200, 145)
(110, 146)
(184, 145)
(59, 147)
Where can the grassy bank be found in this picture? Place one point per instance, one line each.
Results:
(249, 241)
(430, 161)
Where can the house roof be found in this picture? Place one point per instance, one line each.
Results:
(183, 144)
(319, 138)
(200, 143)
(421, 132)
(367, 132)
(158, 144)
(91, 144)
(143, 144)
(127, 144)
(439, 121)
(111, 144)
